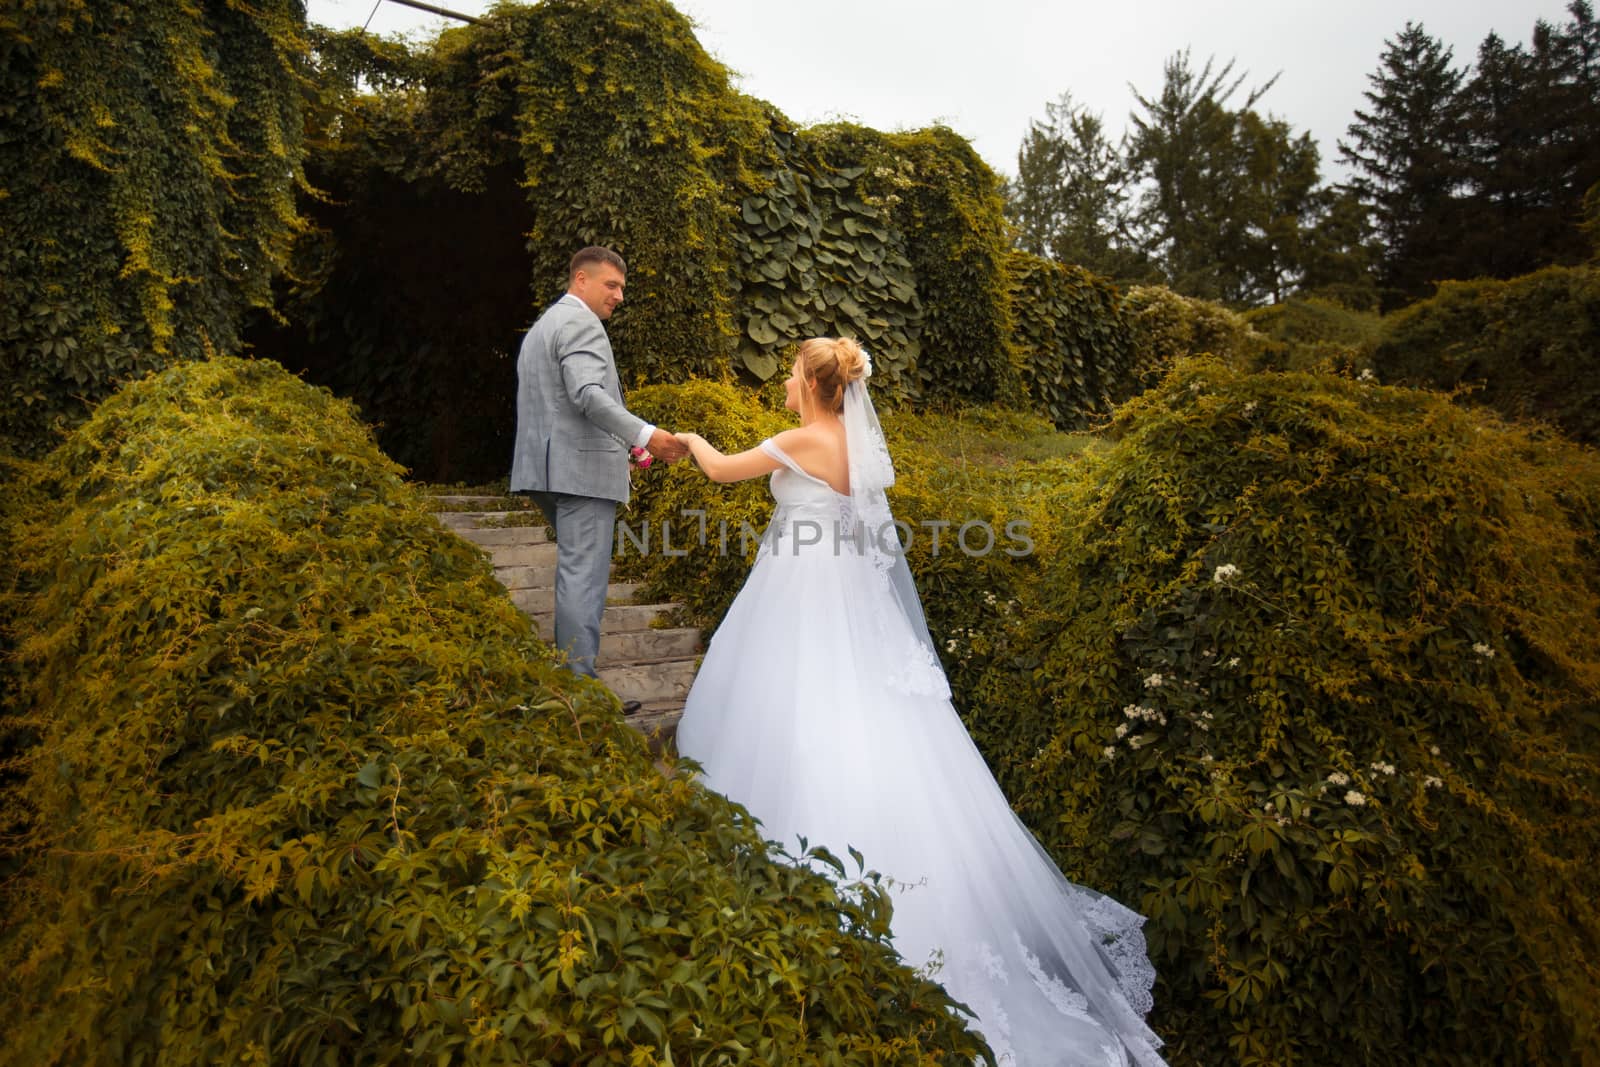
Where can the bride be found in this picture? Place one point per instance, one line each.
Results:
(821, 707)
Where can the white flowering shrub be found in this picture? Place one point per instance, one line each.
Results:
(1311, 678)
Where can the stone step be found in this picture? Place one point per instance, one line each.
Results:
(659, 681)
(478, 520)
(634, 646)
(522, 555)
(541, 601)
(637, 660)
(492, 537)
(532, 576)
(480, 502)
(618, 618)
(618, 647)
(658, 721)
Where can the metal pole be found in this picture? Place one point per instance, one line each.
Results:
(431, 9)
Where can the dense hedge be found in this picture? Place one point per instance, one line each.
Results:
(820, 255)
(147, 176)
(1313, 680)
(1167, 326)
(947, 203)
(1529, 346)
(1077, 346)
(300, 785)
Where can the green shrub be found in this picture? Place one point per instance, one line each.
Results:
(1168, 326)
(300, 785)
(1313, 680)
(147, 179)
(1530, 346)
(1312, 333)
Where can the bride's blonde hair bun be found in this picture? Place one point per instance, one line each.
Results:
(831, 363)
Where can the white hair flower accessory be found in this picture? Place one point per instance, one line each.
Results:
(866, 363)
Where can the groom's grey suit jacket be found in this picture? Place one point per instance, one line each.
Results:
(573, 433)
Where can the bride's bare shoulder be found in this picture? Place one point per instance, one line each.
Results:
(820, 439)
(798, 438)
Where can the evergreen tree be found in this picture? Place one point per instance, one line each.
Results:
(1278, 200)
(1069, 199)
(1340, 254)
(1574, 161)
(1505, 138)
(1229, 197)
(1184, 150)
(1407, 150)
(1534, 147)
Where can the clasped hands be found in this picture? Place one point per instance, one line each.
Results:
(667, 447)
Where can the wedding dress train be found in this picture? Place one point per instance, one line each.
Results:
(819, 709)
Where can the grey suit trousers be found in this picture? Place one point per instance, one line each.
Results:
(584, 527)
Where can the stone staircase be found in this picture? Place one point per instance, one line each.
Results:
(640, 658)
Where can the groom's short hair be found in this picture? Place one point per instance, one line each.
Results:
(584, 257)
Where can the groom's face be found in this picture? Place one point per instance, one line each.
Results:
(599, 285)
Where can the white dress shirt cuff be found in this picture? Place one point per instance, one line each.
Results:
(643, 440)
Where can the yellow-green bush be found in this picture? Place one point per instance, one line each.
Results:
(1312, 333)
(1530, 345)
(298, 784)
(1313, 680)
(1167, 326)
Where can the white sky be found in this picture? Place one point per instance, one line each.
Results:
(985, 70)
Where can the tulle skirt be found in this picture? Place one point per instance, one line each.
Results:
(790, 716)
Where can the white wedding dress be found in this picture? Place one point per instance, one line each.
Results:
(821, 709)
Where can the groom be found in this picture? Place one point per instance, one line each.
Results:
(573, 436)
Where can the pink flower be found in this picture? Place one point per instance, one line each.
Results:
(641, 457)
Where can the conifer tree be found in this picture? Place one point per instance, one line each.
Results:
(1407, 151)
(1069, 199)
(1533, 140)
(1229, 196)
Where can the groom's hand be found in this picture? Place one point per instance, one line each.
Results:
(665, 447)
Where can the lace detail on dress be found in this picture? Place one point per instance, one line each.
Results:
(1063, 998)
(1119, 931)
(988, 977)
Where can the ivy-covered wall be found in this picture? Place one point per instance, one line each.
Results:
(743, 234)
(389, 219)
(148, 164)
